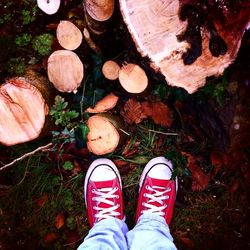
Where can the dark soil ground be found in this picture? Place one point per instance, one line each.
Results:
(41, 197)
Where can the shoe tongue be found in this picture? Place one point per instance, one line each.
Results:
(104, 184)
(159, 183)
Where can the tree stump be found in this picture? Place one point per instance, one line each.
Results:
(187, 41)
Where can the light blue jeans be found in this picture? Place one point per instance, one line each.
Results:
(150, 233)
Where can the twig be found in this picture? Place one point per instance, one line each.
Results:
(130, 185)
(124, 131)
(83, 95)
(72, 243)
(158, 132)
(26, 155)
(163, 133)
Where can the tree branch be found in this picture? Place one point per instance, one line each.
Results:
(26, 155)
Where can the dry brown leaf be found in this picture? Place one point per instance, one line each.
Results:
(59, 221)
(200, 180)
(42, 200)
(161, 114)
(105, 104)
(147, 108)
(50, 237)
(133, 112)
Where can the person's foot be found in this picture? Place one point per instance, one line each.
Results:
(103, 191)
(156, 191)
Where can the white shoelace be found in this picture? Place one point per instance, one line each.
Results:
(102, 195)
(155, 196)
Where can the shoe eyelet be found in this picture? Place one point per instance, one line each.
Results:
(117, 197)
(93, 191)
(93, 199)
(147, 187)
(116, 188)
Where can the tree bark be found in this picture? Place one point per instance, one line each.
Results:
(97, 14)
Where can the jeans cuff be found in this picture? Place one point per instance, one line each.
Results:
(152, 217)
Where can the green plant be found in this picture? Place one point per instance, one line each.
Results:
(29, 16)
(61, 114)
(16, 66)
(23, 40)
(5, 18)
(42, 44)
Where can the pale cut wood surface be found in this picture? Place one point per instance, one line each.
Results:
(103, 137)
(133, 78)
(68, 35)
(22, 112)
(110, 70)
(100, 10)
(154, 25)
(65, 70)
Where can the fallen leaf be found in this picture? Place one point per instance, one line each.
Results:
(105, 104)
(161, 114)
(132, 112)
(217, 161)
(130, 149)
(50, 237)
(187, 241)
(72, 237)
(76, 169)
(147, 108)
(42, 201)
(234, 186)
(59, 221)
(52, 26)
(200, 180)
(120, 163)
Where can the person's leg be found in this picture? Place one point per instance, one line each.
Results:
(155, 207)
(103, 199)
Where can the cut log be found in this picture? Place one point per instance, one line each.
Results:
(22, 111)
(68, 35)
(104, 133)
(105, 104)
(110, 70)
(187, 40)
(133, 78)
(65, 70)
(50, 7)
(97, 13)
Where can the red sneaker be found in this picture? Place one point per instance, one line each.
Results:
(103, 191)
(157, 192)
